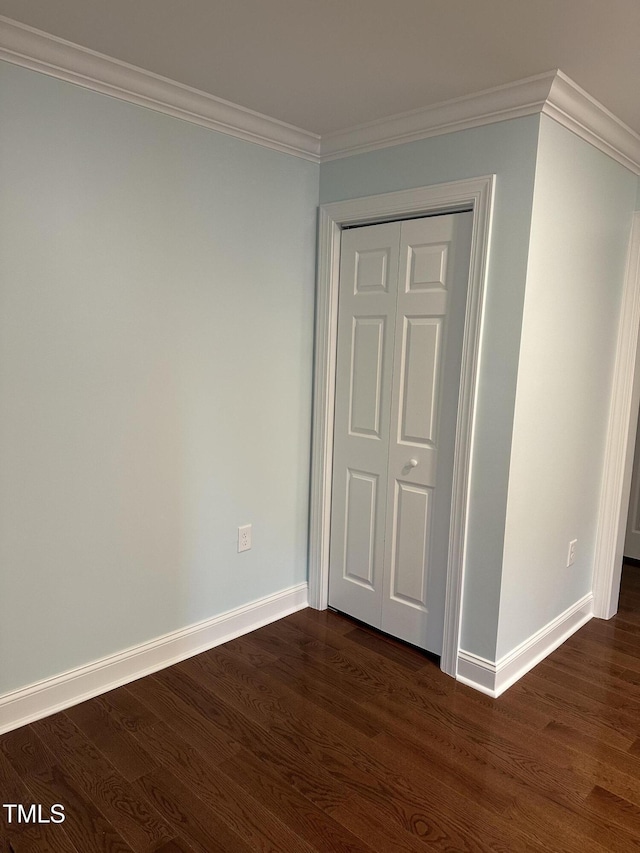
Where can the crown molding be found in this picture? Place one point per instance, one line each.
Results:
(512, 100)
(40, 51)
(579, 112)
(552, 94)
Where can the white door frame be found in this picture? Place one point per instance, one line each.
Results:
(620, 442)
(475, 194)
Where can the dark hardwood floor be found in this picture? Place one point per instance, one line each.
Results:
(316, 734)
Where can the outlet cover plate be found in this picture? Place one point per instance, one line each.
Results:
(244, 538)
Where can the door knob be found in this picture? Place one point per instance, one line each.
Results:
(413, 463)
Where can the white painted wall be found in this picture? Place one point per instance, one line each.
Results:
(581, 222)
(156, 311)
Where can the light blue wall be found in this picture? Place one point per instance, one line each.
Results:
(507, 149)
(582, 210)
(156, 303)
(156, 311)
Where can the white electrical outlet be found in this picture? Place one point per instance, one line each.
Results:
(571, 555)
(244, 538)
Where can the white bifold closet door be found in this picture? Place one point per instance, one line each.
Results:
(401, 314)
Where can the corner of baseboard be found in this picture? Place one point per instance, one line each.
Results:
(477, 672)
(494, 677)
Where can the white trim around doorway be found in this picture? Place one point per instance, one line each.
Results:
(474, 194)
(621, 437)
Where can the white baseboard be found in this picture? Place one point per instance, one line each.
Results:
(477, 672)
(69, 688)
(493, 678)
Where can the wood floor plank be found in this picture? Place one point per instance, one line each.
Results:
(634, 749)
(520, 749)
(616, 809)
(84, 823)
(617, 771)
(37, 839)
(525, 695)
(405, 656)
(329, 618)
(172, 709)
(315, 783)
(558, 693)
(25, 751)
(417, 755)
(331, 665)
(612, 677)
(561, 830)
(205, 831)
(132, 815)
(176, 845)
(318, 689)
(126, 710)
(304, 817)
(246, 816)
(600, 696)
(286, 756)
(379, 669)
(365, 768)
(97, 720)
(295, 771)
(21, 837)
(624, 628)
(606, 648)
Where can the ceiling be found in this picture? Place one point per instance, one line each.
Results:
(324, 65)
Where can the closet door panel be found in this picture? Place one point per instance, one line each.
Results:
(430, 311)
(366, 326)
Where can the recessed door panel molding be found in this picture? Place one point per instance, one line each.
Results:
(360, 524)
(412, 517)
(401, 316)
(372, 270)
(367, 350)
(420, 370)
(427, 267)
